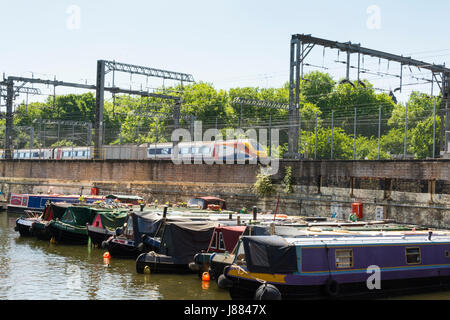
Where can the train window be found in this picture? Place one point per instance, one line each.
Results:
(166, 151)
(205, 150)
(185, 150)
(195, 150)
(257, 146)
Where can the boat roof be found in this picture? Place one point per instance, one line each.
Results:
(125, 197)
(369, 240)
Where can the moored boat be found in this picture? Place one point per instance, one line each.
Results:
(180, 242)
(337, 267)
(105, 224)
(18, 203)
(136, 228)
(23, 224)
(52, 211)
(72, 227)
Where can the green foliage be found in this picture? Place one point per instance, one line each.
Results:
(287, 181)
(135, 120)
(263, 186)
(62, 143)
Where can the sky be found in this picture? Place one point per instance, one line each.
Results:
(226, 43)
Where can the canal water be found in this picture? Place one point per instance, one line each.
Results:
(32, 269)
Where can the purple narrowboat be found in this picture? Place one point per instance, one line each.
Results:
(272, 267)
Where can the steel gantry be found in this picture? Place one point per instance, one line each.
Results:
(301, 46)
(103, 67)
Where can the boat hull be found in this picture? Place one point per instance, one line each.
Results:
(242, 289)
(158, 263)
(23, 226)
(98, 235)
(122, 250)
(68, 235)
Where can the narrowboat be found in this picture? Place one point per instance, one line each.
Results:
(273, 267)
(205, 203)
(126, 199)
(180, 241)
(105, 225)
(23, 224)
(223, 240)
(138, 227)
(72, 227)
(52, 211)
(18, 203)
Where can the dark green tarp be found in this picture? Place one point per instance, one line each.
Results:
(80, 215)
(113, 219)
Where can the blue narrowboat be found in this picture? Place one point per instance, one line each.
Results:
(273, 267)
(19, 203)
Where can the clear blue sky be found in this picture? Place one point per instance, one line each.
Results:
(228, 43)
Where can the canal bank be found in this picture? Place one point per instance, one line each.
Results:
(411, 192)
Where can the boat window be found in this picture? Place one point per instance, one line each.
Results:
(221, 242)
(447, 254)
(344, 258)
(214, 241)
(240, 255)
(413, 255)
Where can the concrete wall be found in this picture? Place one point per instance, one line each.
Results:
(409, 191)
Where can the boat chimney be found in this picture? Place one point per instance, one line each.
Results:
(255, 212)
(272, 228)
(165, 211)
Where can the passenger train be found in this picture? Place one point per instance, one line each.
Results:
(245, 149)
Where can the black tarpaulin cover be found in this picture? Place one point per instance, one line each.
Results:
(183, 240)
(269, 254)
(145, 223)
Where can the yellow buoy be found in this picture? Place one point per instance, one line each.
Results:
(147, 270)
(52, 240)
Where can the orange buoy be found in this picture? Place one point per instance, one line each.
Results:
(106, 255)
(205, 276)
(205, 285)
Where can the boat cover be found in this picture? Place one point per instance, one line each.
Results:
(80, 215)
(55, 210)
(113, 219)
(269, 254)
(183, 240)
